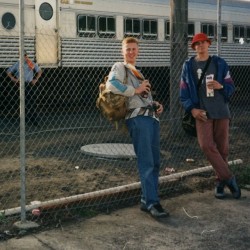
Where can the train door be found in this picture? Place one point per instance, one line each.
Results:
(46, 32)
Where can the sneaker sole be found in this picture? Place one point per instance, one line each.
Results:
(219, 196)
(165, 215)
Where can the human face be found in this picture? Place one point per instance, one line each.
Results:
(201, 46)
(130, 52)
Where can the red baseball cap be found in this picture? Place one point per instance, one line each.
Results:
(199, 38)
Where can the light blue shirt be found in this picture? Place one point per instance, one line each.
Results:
(28, 72)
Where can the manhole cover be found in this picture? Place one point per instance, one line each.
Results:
(110, 150)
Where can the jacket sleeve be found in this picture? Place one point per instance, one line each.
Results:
(117, 78)
(225, 79)
(187, 91)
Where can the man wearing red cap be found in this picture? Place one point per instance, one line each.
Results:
(208, 104)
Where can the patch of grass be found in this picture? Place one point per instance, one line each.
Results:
(87, 213)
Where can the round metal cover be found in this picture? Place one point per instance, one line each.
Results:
(110, 150)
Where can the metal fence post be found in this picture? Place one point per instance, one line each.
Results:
(178, 50)
(22, 111)
(218, 27)
(23, 224)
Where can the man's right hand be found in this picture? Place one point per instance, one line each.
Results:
(199, 114)
(144, 87)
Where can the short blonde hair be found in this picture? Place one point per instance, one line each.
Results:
(130, 39)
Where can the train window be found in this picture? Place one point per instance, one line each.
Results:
(132, 27)
(248, 34)
(208, 29)
(167, 29)
(224, 33)
(46, 11)
(86, 26)
(8, 21)
(149, 29)
(190, 31)
(239, 33)
(106, 27)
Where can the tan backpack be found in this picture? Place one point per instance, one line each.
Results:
(112, 106)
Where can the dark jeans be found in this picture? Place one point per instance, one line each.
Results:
(30, 104)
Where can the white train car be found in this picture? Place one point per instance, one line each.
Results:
(88, 33)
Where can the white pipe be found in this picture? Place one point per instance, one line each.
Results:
(114, 190)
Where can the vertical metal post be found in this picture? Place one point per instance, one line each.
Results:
(218, 27)
(59, 52)
(22, 112)
(178, 50)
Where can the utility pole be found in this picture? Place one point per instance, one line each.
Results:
(178, 51)
(218, 27)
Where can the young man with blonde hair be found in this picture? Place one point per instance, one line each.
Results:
(142, 120)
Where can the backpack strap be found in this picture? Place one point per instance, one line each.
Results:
(135, 72)
(126, 74)
(204, 72)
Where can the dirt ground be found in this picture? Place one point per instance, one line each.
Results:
(56, 168)
(197, 221)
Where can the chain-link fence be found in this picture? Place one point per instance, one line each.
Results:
(63, 177)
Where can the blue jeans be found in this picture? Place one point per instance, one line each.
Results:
(145, 134)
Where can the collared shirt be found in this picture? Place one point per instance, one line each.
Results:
(28, 73)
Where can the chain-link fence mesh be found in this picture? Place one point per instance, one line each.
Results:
(64, 178)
